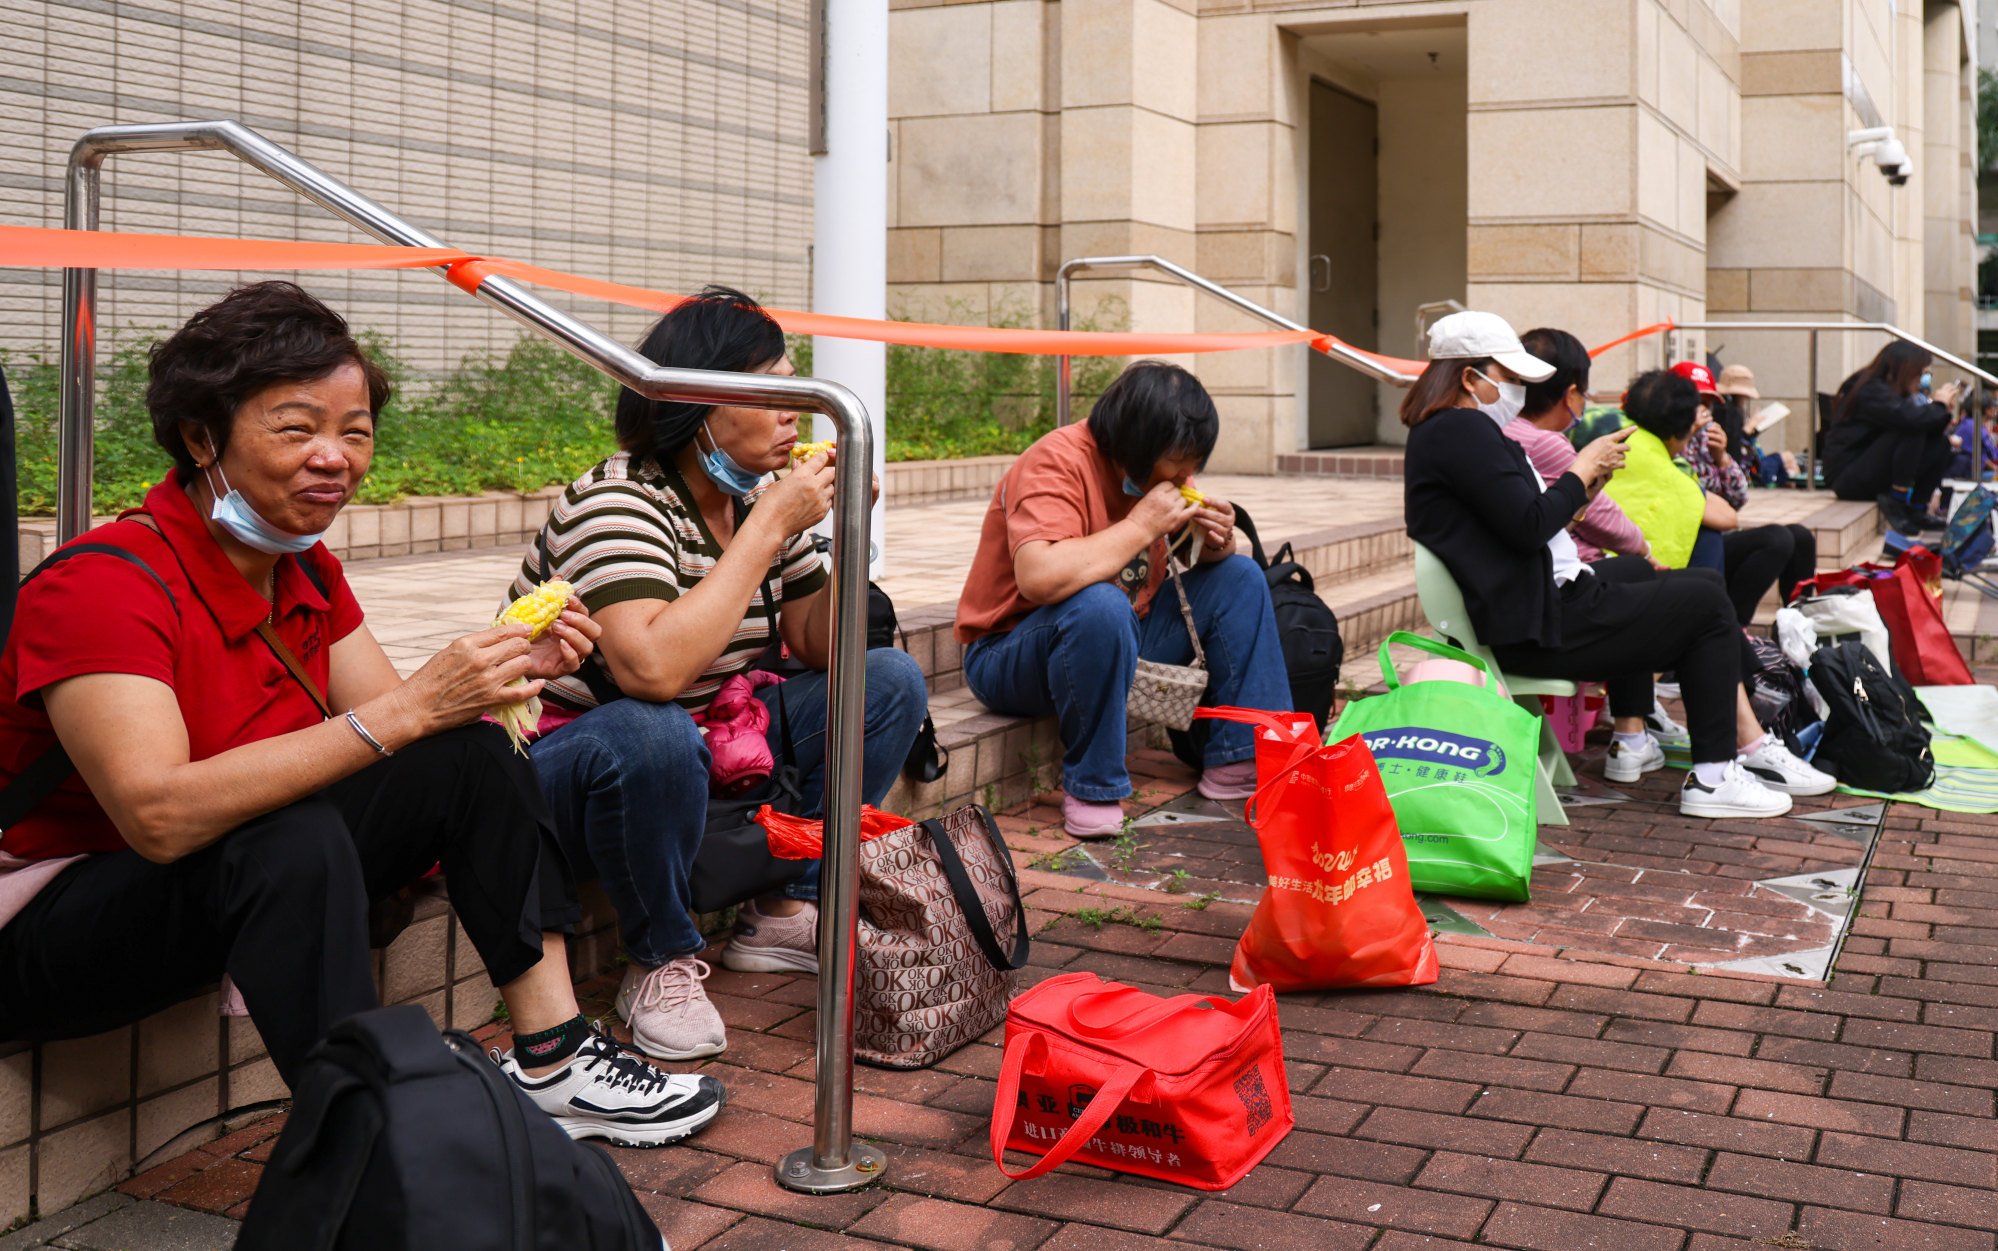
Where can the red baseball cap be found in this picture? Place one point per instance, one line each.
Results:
(1699, 375)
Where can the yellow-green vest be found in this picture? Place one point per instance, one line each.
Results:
(1661, 497)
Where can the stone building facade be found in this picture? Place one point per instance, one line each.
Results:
(1593, 164)
(662, 144)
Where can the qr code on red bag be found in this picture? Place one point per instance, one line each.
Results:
(1255, 1097)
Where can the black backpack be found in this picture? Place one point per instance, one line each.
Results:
(1308, 631)
(401, 1139)
(1874, 738)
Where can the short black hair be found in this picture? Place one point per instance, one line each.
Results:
(720, 328)
(254, 337)
(1571, 367)
(1663, 403)
(1154, 409)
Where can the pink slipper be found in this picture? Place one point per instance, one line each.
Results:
(1229, 781)
(1083, 819)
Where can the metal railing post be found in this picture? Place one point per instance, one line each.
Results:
(1062, 379)
(833, 1162)
(1811, 407)
(1337, 351)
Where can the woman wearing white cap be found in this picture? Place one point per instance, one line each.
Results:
(1474, 499)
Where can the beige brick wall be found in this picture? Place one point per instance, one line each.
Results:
(659, 143)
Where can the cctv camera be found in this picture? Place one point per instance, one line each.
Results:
(1890, 155)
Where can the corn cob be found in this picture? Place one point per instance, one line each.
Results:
(537, 610)
(800, 451)
(1192, 494)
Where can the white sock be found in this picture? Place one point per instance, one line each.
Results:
(1710, 772)
(1754, 747)
(1630, 742)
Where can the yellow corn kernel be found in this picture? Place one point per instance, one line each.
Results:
(539, 608)
(800, 451)
(1192, 494)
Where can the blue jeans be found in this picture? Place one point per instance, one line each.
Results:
(628, 785)
(1076, 660)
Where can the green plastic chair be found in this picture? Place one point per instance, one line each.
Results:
(1443, 603)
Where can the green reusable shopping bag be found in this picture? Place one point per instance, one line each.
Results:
(1458, 762)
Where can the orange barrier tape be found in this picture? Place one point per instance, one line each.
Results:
(40, 247)
(1654, 328)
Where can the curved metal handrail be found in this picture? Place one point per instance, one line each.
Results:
(833, 1161)
(1337, 351)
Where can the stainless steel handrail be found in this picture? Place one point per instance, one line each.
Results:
(834, 1162)
(1816, 328)
(1337, 351)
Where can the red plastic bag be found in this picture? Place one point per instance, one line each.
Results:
(803, 838)
(1190, 1090)
(1924, 652)
(1920, 640)
(1338, 910)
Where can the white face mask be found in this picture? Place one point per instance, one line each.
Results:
(1511, 399)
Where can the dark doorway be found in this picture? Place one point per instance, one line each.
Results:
(1343, 278)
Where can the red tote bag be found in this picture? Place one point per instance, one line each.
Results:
(1188, 1090)
(1339, 910)
(1923, 650)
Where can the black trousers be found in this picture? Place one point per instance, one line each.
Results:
(280, 903)
(1907, 458)
(1766, 556)
(1626, 622)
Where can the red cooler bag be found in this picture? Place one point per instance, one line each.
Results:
(1188, 1090)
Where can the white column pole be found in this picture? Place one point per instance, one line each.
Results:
(850, 216)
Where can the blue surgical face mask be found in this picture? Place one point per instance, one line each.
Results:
(233, 513)
(722, 470)
(1928, 380)
(1133, 489)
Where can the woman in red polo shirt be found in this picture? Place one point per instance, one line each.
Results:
(208, 765)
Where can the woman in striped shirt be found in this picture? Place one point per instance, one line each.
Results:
(694, 561)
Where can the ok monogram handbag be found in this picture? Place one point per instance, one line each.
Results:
(933, 971)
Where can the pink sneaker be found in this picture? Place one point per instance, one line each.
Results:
(1229, 781)
(767, 944)
(1086, 820)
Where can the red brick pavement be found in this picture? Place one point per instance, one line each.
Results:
(1535, 1097)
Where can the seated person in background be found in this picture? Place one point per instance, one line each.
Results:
(1472, 497)
(1753, 558)
(694, 562)
(1736, 387)
(1963, 439)
(218, 821)
(1888, 443)
(1067, 590)
(1552, 406)
(1658, 492)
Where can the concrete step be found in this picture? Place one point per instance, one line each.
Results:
(1343, 462)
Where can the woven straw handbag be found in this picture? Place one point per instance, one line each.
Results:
(1168, 694)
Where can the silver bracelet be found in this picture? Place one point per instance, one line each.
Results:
(366, 737)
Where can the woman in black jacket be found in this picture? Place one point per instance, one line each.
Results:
(1474, 499)
(1887, 443)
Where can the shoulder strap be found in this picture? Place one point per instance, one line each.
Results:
(268, 633)
(48, 771)
(966, 894)
(1247, 525)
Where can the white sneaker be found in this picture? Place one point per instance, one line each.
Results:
(1626, 764)
(1777, 767)
(1738, 795)
(1663, 727)
(669, 1013)
(607, 1090)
